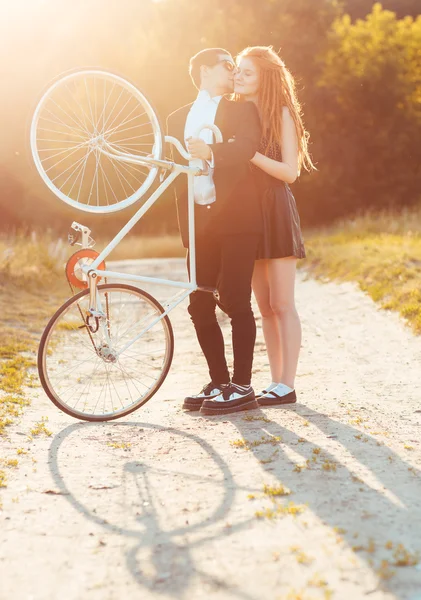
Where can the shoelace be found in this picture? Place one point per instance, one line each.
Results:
(211, 386)
(231, 389)
(208, 388)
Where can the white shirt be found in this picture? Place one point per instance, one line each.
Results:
(202, 112)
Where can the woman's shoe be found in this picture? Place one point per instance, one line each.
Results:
(279, 394)
(266, 390)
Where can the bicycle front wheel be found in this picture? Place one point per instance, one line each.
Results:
(108, 373)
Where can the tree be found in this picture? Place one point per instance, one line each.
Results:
(369, 115)
(361, 8)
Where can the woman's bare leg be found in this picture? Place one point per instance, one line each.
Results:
(281, 276)
(270, 320)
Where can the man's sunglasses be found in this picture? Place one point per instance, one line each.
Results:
(227, 64)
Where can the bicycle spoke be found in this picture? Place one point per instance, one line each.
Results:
(126, 139)
(63, 150)
(111, 132)
(79, 108)
(89, 383)
(126, 167)
(140, 323)
(120, 111)
(115, 165)
(115, 104)
(59, 121)
(104, 175)
(81, 172)
(80, 167)
(67, 114)
(63, 132)
(60, 161)
(95, 177)
(88, 109)
(90, 379)
(89, 103)
(102, 115)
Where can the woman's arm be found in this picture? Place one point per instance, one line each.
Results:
(246, 139)
(287, 170)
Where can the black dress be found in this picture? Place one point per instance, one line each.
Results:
(281, 223)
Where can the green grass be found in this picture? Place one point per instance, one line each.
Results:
(32, 286)
(381, 252)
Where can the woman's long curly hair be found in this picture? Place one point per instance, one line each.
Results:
(276, 90)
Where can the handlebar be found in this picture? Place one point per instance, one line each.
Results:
(163, 164)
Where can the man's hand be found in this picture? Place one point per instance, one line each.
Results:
(199, 149)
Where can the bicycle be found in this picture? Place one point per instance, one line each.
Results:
(108, 349)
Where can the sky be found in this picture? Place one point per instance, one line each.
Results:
(39, 40)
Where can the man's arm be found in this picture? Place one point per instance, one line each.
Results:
(172, 154)
(246, 141)
(169, 154)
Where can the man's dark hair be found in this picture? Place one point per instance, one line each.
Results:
(207, 57)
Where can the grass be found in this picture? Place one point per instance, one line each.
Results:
(256, 418)
(3, 479)
(119, 445)
(380, 251)
(32, 285)
(13, 373)
(317, 581)
(329, 465)
(404, 558)
(280, 510)
(276, 491)
(40, 428)
(301, 556)
(273, 440)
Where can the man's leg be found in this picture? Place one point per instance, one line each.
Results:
(202, 309)
(238, 253)
(237, 262)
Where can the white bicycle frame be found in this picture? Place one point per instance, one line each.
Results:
(92, 272)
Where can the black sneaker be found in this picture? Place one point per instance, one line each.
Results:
(211, 390)
(233, 398)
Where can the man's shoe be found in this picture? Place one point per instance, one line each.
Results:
(233, 398)
(211, 390)
(281, 394)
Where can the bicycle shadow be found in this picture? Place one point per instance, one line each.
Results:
(160, 554)
(380, 488)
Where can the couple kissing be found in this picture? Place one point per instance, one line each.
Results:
(248, 234)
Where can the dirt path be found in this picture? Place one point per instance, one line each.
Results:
(172, 516)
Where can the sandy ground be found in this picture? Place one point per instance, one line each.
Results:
(174, 515)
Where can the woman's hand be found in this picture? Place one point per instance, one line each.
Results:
(255, 158)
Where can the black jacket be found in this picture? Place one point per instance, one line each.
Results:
(237, 208)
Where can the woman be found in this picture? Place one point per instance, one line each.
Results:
(263, 78)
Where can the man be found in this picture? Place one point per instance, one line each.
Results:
(228, 225)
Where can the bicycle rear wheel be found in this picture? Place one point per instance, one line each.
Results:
(76, 121)
(107, 374)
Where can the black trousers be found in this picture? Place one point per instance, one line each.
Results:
(225, 262)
